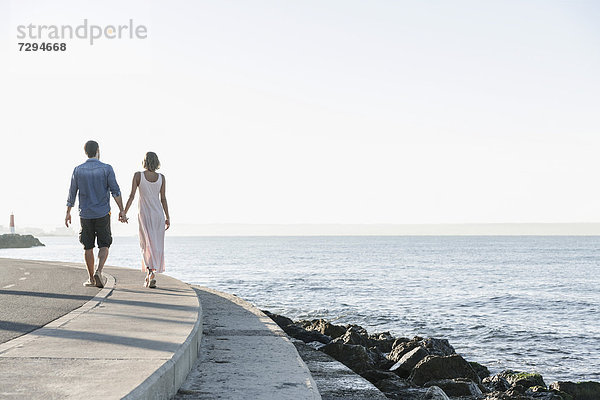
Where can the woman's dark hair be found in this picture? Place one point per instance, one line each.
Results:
(91, 148)
(151, 162)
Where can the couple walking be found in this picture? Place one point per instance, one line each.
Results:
(95, 181)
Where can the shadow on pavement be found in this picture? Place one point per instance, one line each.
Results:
(107, 300)
(151, 344)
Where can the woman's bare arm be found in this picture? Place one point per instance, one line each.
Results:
(134, 185)
(163, 200)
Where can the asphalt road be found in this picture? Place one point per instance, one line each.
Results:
(33, 294)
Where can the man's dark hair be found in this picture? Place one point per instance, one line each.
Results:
(91, 148)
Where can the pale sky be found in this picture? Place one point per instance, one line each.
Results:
(275, 112)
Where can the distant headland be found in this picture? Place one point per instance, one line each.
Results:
(16, 241)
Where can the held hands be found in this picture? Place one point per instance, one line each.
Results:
(123, 217)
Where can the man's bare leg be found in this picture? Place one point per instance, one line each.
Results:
(102, 256)
(89, 262)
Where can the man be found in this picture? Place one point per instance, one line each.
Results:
(94, 180)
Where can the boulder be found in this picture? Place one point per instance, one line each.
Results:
(435, 393)
(408, 361)
(383, 341)
(315, 345)
(542, 393)
(505, 396)
(496, 383)
(358, 329)
(433, 368)
(380, 360)
(401, 347)
(547, 396)
(517, 389)
(457, 387)
(579, 390)
(324, 327)
(391, 384)
(377, 375)
(355, 335)
(355, 357)
(300, 333)
(438, 347)
(434, 347)
(480, 370)
(406, 393)
(279, 319)
(399, 341)
(525, 379)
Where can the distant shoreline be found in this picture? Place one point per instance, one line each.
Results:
(516, 229)
(16, 241)
(480, 229)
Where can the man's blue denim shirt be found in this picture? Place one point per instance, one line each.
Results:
(94, 180)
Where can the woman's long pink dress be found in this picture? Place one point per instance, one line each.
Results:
(152, 224)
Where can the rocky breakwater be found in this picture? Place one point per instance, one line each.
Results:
(425, 368)
(14, 241)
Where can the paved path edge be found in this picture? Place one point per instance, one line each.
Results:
(168, 378)
(314, 393)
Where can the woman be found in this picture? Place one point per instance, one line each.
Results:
(153, 216)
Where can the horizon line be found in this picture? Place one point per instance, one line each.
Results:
(338, 229)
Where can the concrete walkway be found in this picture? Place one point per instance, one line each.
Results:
(245, 355)
(127, 342)
(136, 343)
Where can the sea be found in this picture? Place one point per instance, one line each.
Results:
(527, 303)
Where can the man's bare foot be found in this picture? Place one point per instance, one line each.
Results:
(89, 282)
(99, 280)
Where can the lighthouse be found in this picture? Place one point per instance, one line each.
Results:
(12, 224)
